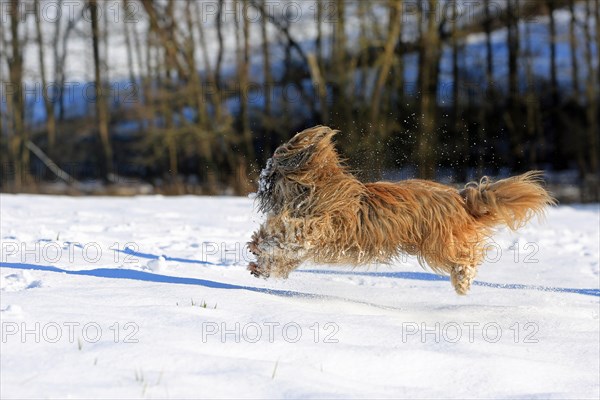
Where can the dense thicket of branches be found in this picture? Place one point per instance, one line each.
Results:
(212, 87)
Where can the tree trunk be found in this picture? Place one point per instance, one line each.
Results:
(319, 38)
(573, 46)
(591, 95)
(142, 91)
(50, 117)
(556, 121)
(242, 61)
(535, 135)
(341, 103)
(15, 67)
(268, 123)
(460, 133)
(101, 106)
(194, 82)
(512, 116)
(202, 132)
(428, 80)
(220, 41)
(575, 87)
(214, 97)
(487, 27)
(597, 19)
(244, 71)
(553, 71)
(488, 105)
(128, 45)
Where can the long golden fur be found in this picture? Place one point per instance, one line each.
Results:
(318, 211)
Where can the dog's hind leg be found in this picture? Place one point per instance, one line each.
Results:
(462, 276)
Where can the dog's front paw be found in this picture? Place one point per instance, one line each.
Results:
(258, 238)
(253, 247)
(257, 271)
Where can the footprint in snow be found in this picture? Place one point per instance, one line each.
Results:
(11, 311)
(18, 281)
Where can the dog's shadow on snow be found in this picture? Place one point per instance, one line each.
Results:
(419, 276)
(120, 273)
(115, 273)
(424, 276)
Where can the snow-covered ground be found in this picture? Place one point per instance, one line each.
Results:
(149, 297)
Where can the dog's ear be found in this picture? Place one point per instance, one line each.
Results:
(298, 150)
(309, 137)
(312, 136)
(327, 133)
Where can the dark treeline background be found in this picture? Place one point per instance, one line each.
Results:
(126, 96)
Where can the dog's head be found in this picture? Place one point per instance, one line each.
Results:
(296, 167)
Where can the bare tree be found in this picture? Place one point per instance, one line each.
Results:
(208, 69)
(165, 33)
(387, 58)
(202, 130)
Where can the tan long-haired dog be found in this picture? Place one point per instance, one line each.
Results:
(318, 211)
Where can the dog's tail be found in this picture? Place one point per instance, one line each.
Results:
(512, 201)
